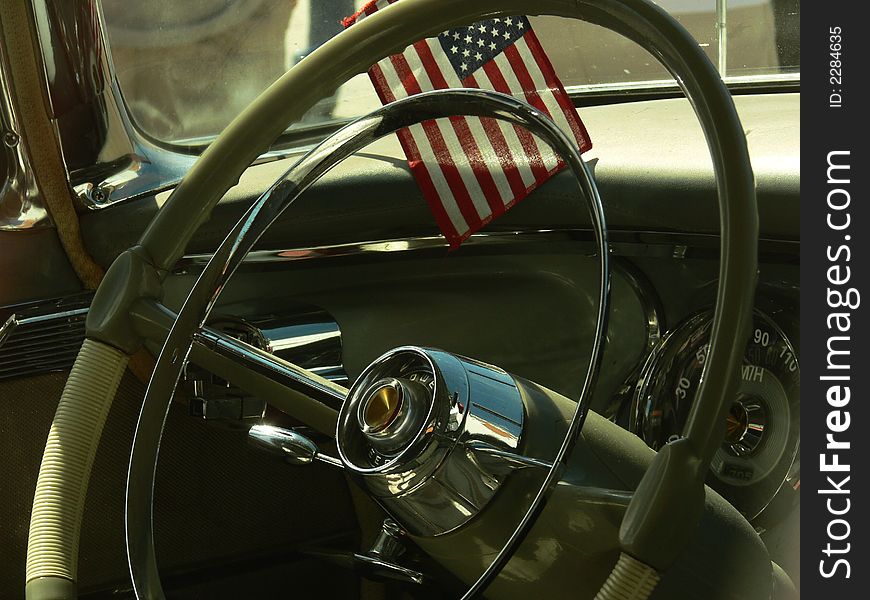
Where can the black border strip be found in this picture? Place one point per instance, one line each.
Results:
(834, 255)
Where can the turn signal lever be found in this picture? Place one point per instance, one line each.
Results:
(293, 447)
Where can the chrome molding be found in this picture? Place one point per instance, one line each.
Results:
(654, 319)
(650, 244)
(115, 161)
(667, 85)
(654, 313)
(44, 336)
(193, 262)
(21, 202)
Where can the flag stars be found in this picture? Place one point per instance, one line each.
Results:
(468, 55)
(480, 42)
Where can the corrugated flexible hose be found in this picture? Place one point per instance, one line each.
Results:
(629, 580)
(58, 505)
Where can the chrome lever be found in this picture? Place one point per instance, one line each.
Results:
(496, 457)
(381, 560)
(293, 447)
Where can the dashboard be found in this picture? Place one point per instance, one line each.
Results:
(525, 300)
(520, 293)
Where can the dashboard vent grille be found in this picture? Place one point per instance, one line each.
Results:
(38, 337)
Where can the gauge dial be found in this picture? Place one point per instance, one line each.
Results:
(763, 424)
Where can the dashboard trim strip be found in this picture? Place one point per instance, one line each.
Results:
(660, 244)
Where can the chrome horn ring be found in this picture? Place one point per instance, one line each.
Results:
(243, 236)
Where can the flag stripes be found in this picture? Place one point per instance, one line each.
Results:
(472, 169)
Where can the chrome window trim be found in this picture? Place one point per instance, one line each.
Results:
(666, 85)
(122, 163)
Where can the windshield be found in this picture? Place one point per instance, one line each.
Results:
(186, 69)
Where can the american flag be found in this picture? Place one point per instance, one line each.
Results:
(471, 169)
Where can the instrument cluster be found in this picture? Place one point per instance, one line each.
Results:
(757, 467)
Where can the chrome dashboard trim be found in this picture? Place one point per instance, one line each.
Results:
(651, 304)
(656, 244)
(377, 247)
(654, 320)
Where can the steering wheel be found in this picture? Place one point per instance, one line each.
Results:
(126, 311)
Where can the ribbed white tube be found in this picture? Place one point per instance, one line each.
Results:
(629, 580)
(55, 523)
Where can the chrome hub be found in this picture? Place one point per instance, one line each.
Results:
(744, 428)
(391, 412)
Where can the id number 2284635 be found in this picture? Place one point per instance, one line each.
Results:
(835, 72)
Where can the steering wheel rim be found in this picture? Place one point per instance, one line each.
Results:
(271, 204)
(51, 544)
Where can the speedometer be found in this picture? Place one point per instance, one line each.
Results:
(763, 424)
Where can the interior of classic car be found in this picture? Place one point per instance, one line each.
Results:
(238, 358)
